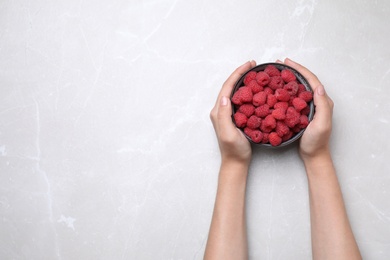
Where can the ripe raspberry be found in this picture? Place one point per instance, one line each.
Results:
(268, 90)
(249, 77)
(287, 75)
(291, 87)
(271, 70)
(299, 104)
(281, 128)
(265, 138)
(282, 94)
(292, 117)
(248, 131)
(276, 82)
(287, 136)
(301, 88)
(262, 78)
(296, 128)
(254, 86)
(236, 99)
(283, 105)
(305, 111)
(247, 109)
(259, 98)
(262, 111)
(303, 121)
(269, 121)
(271, 100)
(306, 95)
(253, 122)
(264, 128)
(256, 136)
(268, 124)
(274, 139)
(246, 94)
(279, 113)
(240, 119)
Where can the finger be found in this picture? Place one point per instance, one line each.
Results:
(323, 113)
(311, 77)
(229, 83)
(225, 124)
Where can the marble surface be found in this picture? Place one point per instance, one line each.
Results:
(106, 147)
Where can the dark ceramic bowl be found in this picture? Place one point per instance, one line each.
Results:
(300, 80)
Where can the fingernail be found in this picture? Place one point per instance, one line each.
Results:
(279, 61)
(320, 90)
(289, 60)
(224, 101)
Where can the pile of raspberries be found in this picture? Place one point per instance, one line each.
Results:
(271, 106)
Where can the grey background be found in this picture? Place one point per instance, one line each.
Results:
(106, 147)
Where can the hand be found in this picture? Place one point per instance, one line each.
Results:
(232, 143)
(315, 140)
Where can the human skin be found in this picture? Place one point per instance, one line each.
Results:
(331, 233)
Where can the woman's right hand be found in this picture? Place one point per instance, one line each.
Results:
(315, 139)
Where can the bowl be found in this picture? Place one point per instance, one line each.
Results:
(300, 80)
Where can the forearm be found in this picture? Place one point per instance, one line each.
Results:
(227, 237)
(332, 236)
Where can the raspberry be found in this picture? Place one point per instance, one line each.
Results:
(245, 94)
(301, 88)
(247, 109)
(299, 104)
(296, 129)
(268, 90)
(256, 136)
(291, 87)
(279, 113)
(240, 119)
(271, 70)
(262, 78)
(268, 124)
(262, 111)
(281, 128)
(270, 121)
(271, 100)
(287, 75)
(264, 128)
(265, 138)
(249, 77)
(253, 122)
(276, 82)
(305, 111)
(306, 95)
(283, 105)
(282, 94)
(303, 121)
(254, 86)
(236, 99)
(287, 136)
(248, 131)
(292, 117)
(259, 99)
(274, 139)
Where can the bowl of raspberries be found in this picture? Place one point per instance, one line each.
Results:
(272, 104)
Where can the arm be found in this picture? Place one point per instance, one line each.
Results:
(332, 236)
(227, 237)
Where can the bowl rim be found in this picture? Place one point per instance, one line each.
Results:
(301, 79)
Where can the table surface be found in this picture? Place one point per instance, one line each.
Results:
(106, 147)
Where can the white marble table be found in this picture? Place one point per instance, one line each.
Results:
(106, 147)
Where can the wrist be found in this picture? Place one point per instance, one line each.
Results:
(234, 169)
(318, 163)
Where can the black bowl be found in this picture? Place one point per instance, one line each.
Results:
(300, 79)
